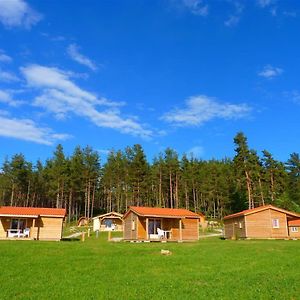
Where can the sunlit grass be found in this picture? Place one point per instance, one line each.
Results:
(95, 269)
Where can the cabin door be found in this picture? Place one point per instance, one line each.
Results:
(153, 225)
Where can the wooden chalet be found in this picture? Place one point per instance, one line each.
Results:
(263, 222)
(111, 221)
(150, 224)
(33, 223)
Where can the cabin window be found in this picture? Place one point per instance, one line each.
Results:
(294, 229)
(133, 224)
(275, 223)
(18, 224)
(240, 225)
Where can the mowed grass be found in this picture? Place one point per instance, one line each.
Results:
(95, 269)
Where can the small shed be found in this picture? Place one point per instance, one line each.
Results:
(34, 223)
(152, 223)
(111, 221)
(83, 221)
(262, 222)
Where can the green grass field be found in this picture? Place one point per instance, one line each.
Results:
(95, 269)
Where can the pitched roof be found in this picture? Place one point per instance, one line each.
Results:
(162, 212)
(295, 223)
(260, 208)
(31, 211)
(111, 214)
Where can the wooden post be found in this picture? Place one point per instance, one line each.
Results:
(147, 229)
(83, 236)
(89, 232)
(180, 230)
(109, 235)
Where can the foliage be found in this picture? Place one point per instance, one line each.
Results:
(84, 187)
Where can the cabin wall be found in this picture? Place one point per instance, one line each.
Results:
(294, 234)
(96, 224)
(130, 230)
(235, 228)
(4, 226)
(260, 224)
(282, 231)
(49, 228)
(190, 229)
(142, 232)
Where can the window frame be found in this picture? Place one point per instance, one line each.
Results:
(275, 223)
(294, 229)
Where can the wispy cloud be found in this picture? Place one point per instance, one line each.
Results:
(7, 98)
(8, 76)
(270, 72)
(17, 13)
(61, 96)
(195, 7)
(195, 152)
(73, 51)
(265, 3)
(4, 57)
(201, 109)
(294, 96)
(25, 129)
(234, 18)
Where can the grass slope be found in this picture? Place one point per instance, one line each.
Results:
(96, 269)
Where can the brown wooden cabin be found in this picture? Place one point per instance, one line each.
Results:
(151, 223)
(262, 222)
(111, 221)
(82, 221)
(33, 223)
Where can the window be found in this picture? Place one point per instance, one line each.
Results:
(294, 229)
(275, 223)
(133, 224)
(19, 224)
(240, 225)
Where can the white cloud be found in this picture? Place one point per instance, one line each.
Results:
(264, 3)
(8, 76)
(73, 51)
(17, 13)
(196, 7)
(270, 72)
(61, 96)
(234, 18)
(6, 97)
(232, 21)
(3, 57)
(27, 130)
(201, 109)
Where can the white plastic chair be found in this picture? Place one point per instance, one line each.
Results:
(160, 233)
(25, 233)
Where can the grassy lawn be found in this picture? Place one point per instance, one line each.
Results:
(95, 269)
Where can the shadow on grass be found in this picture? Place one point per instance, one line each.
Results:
(70, 239)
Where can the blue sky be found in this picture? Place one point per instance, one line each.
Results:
(186, 74)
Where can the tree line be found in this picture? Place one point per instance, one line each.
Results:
(85, 187)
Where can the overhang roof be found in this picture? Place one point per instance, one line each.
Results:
(295, 223)
(31, 211)
(162, 212)
(258, 209)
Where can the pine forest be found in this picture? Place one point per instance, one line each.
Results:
(86, 187)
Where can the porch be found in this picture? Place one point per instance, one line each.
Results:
(18, 228)
(160, 229)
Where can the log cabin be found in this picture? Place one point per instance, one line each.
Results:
(32, 223)
(262, 223)
(111, 221)
(155, 224)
